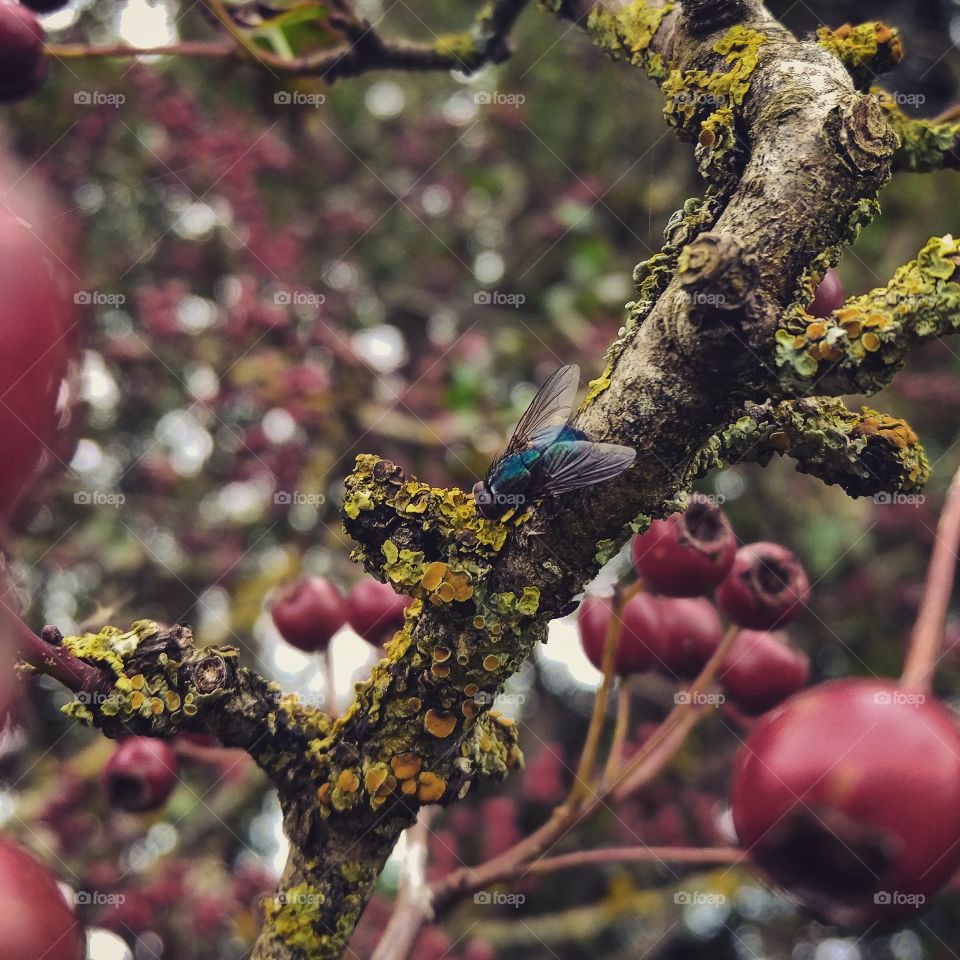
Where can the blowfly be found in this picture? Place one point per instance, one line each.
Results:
(545, 455)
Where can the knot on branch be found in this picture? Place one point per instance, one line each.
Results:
(156, 681)
(866, 50)
(864, 140)
(858, 348)
(865, 452)
(701, 17)
(715, 274)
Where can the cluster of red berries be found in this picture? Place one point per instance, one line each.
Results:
(847, 794)
(23, 66)
(673, 629)
(309, 611)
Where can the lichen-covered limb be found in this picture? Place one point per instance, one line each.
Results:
(858, 348)
(156, 683)
(925, 145)
(863, 452)
(869, 49)
(866, 50)
(794, 156)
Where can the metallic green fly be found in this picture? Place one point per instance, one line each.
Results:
(545, 455)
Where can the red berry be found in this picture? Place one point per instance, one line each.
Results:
(848, 795)
(762, 670)
(691, 632)
(639, 639)
(375, 610)
(21, 52)
(40, 329)
(766, 587)
(308, 612)
(829, 295)
(36, 920)
(140, 775)
(593, 616)
(688, 553)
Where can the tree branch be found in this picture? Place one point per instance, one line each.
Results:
(925, 145)
(858, 348)
(865, 453)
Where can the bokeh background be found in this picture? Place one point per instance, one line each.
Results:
(283, 275)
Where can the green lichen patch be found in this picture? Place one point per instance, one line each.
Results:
(293, 915)
(925, 145)
(628, 34)
(864, 452)
(705, 103)
(866, 49)
(868, 338)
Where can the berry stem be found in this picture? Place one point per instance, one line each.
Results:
(655, 753)
(186, 48)
(48, 658)
(615, 756)
(581, 780)
(329, 687)
(581, 858)
(923, 649)
(634, 775)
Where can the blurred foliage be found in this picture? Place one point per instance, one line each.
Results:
(284, 275)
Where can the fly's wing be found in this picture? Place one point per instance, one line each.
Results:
(551, 407)
(572, 464)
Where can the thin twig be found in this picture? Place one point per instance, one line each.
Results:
(615, 755)
(582, 858)
(592, 740)
(187, 48)
(657, 750)
(630, 778)
(927, 635)
(413, 896)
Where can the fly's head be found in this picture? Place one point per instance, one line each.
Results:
(485, 501)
